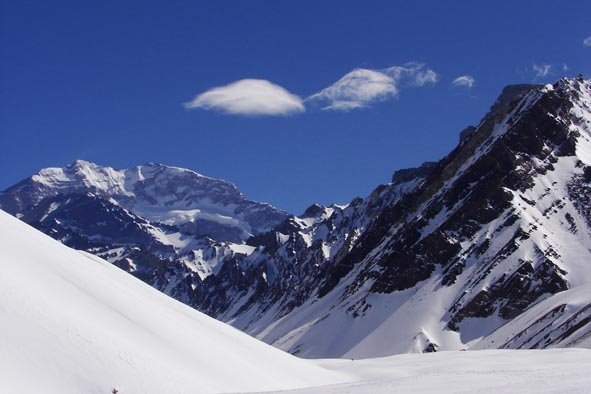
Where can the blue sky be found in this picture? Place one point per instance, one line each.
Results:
(112, 82)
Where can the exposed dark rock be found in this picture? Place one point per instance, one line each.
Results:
(466, 133)
(408, 174)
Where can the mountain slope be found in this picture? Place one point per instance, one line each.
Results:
(73, 323)
(452, 252)
(499, 224)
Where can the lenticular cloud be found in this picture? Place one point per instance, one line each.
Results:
(357, 89)
(362, 87)
(249, 97)
(464, 80)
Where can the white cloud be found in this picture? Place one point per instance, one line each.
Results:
(464, 80)
(412, 74)
(423, 77)
(362, 87)
(357, 89)
(541, 70)
(587, 41)
(249, 97)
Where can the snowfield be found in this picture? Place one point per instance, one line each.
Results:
(73, 323)
(483, 372)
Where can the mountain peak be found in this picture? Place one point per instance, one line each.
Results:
(153, 191)
(79, 163)
(82, 174)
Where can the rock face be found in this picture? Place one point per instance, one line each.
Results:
(459, 253)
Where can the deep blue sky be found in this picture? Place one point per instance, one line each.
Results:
(105, 82)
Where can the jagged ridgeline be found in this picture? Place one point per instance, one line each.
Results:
(488, 247)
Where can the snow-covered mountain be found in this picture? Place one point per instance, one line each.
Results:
(154, 221)
(199, 205)
(488, 247)
(73, 323)
(496, 226)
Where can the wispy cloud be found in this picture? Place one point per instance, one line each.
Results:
(249, 97)
(464, 80)
(541, 70)
(587, 41)
(415, 73)
(362, 87)
(356, 89)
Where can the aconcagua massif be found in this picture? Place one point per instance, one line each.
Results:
(489, 247)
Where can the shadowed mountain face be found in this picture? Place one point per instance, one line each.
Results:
(449, 255)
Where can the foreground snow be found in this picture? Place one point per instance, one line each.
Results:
(485, 371)
(73, 323)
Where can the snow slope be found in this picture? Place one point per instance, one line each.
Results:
(74, 323)
(491, 371)
(557, 321)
